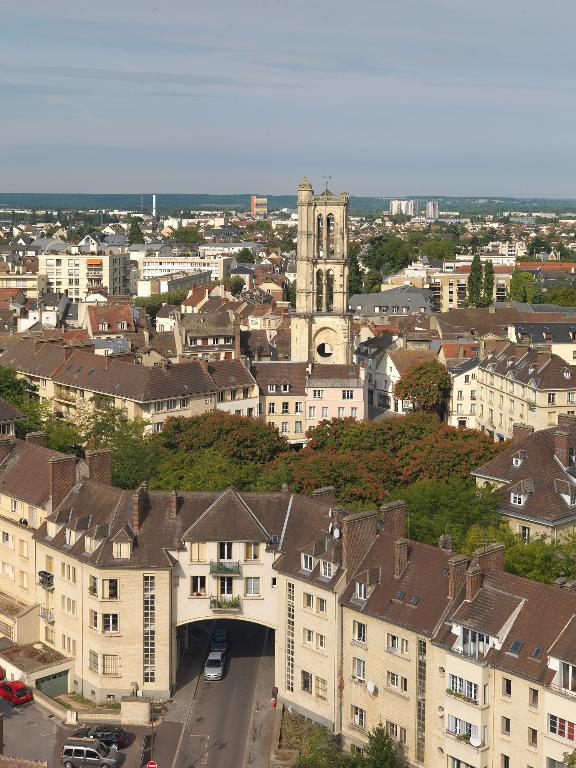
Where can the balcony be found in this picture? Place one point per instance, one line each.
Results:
(65, 396)
(225, 604)
(46, 580)
(46, 614)
(461, 697)
(225, 567)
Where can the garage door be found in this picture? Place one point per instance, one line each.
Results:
(53, 685)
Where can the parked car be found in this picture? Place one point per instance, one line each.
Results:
(77, 753)
(107, 734)
(219, 640)
(215, 666)
(15, 692)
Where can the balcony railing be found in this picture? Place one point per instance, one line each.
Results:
(225, 603)
(461, 696)
(46, 579)
(225, 567)
(47, 614)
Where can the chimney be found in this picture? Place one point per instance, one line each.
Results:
(393, 516)
(473, 581)
(237, 349)
(138, 506)
(172, 505)
(400, 557)
(457, 567)
(62, 478)
(359, 532)
(566, 420)
(445, 542)
(327, 494)
(35, 437)
(99, 465)
(490, 557)
(561, 446)
(6, 444)
(520, 432)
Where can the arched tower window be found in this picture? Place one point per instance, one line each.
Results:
(330, 223)
(319, 235)
(329, 291)
(319, 290)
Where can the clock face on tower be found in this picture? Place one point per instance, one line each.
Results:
(321, 328)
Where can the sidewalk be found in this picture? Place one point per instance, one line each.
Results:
(259, 742)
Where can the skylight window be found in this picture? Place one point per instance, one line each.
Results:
(516, 647)
(415, 599)
(400, 595)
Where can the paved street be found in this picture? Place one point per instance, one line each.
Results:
(31, 733)
(220, 726)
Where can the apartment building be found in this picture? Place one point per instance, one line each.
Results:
(463, 400)
(80, 274)
(282, 391)
(71, 379)
(525, 385)
(534, 480)
(158, 266)
(33, 284)
(335, 391)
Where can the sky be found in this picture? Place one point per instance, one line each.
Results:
(387, 97)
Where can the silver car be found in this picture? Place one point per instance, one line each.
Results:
(215, 666)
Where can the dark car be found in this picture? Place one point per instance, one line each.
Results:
(219, 640)
(107, 734)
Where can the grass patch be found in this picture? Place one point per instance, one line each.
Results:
(295, 730)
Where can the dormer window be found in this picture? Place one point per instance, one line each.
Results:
(360, 590)
(518, 458)
(572, 497)
(70, 537)
(307, 563)
(103, 326)
(327, 569)
(271, 387)
(121, 550)
(566, 374)
(285, 387)
(122, 325)
(89, 544)
(517, 499)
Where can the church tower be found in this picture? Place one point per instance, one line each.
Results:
(321, 328)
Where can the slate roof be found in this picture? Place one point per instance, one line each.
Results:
(280, 372)
(528, 366)
(424, 583)
(334, 375)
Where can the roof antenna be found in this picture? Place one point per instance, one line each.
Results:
(326, 180)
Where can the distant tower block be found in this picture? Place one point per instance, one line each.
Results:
(258, 206)
(154, 206)
(321, 328)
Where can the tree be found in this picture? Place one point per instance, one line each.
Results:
(188, 235)
(564, 296)
(237, 284)
(12, 388)
(372, 281)
(245, 256)
(381, 751)
(437, 249)
(291, 297)
(354, 272)
(475, 282)
(450, 452)
(135, 234)
(570, 759)
(388, 253)
(426, 386)
(488, 284)
(522, 286)
(153, 304)
(319, 750)
(453, 506)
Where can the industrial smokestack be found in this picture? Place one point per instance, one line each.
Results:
(154, 206)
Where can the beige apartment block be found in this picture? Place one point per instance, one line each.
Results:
(520, 384)
(79, 274)
(282, 397)
(33, 284)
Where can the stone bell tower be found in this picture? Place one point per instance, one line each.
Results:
(321, 328)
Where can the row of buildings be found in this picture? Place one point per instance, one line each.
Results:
(464, 664)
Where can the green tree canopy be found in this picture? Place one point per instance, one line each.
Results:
(475, 282)
(188, 235)
(522, 286)
(437, 249)
(135, 234)
(388, 253)
(237, 284)
(245, 256)
(427, 386)
(488, 284)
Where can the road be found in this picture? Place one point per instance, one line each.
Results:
(220, 721)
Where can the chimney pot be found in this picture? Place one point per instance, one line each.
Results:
(138, 504)
(561, 439)
(400, 557)
(62, 478)
(473, 581)
(490, 557)
(393, 517)
(445, 542)
(520, 432)
(35, 437)
(457, 567)
(327, 494)
(99, 465)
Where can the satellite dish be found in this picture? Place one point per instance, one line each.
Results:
(475, 741)
(370, 686)
(336, 533)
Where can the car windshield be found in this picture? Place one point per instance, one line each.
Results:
(102, 750)
(213, 663)
(21, 692)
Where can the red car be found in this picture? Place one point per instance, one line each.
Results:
(15, 693)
